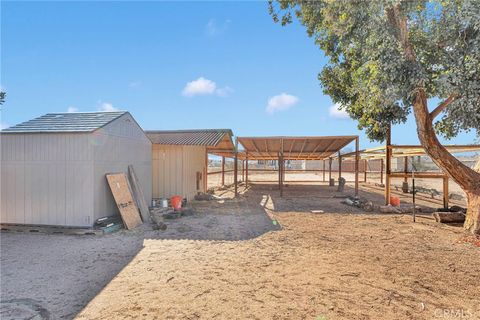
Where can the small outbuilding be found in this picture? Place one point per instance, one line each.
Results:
(180, 159)
(53, 167)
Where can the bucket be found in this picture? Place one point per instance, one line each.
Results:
(164, 203)
(395, 201)
(176, 202)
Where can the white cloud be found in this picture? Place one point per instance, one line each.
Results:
(72, 109)
(281, 102)
(203, 86)
(105, 106)
(213, 28)
(4, 125)
(337, 113)
(223, 92)
(134, 84)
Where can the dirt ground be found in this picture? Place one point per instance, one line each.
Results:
(255, 257)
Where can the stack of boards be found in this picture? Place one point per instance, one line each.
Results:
(129, 198)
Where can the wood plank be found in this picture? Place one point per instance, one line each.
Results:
(138, 194)
(123, 198)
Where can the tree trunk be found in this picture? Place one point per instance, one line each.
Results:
(468, 179)
(472, 220)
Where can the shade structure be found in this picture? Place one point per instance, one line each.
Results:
(407, 151)
(293, 148)
(217, 141)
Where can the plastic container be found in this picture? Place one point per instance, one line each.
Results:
(176, 202)
(395, 201)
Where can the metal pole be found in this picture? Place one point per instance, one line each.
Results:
(357, 147)
(388, 155)
(413, 194)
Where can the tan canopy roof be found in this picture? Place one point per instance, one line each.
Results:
(293, 148)
(408, 151)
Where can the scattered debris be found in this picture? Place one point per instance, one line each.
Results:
(458, 209)
(361, 203)
(138, 195)
(455, 196)
(408, 208)
(389, 209)
(123, 197)
(449, 217)
(201, 196)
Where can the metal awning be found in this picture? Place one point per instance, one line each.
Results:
(293, 148)
(216, 140)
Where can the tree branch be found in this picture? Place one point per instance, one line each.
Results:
(435, 112)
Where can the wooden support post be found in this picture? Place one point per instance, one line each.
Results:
(243, 170)
(329, 170)
(205, 173)
(223, 171)
(357, 147)
(445, 192)
(281, 167)
(323, 170)
(246, 169)
(279, 171)
(235, 167)
(339, 165)
(381, 171)
(388, 156)
(365, 166)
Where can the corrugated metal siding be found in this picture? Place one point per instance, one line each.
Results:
(207, 137)
(174, 170)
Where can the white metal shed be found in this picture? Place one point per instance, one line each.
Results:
(53, 167)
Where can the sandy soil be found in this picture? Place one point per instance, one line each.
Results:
(58, 275)
(319, 266)
(232, 261)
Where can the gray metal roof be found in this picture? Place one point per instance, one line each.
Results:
(66, 122)
(197, 137)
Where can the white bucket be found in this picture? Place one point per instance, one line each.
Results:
(164, 203)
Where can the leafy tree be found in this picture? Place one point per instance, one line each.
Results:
(388, 58)
(2, 97)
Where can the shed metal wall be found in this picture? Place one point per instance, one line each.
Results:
(46, 179)
(59, 178)
(174, 170)
(116, 146)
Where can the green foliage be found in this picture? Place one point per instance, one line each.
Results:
(2, 97)
(368, 73)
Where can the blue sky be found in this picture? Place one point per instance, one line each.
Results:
(173, 65)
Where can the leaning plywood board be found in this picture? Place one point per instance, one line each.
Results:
(138, 194)
(123, 197)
